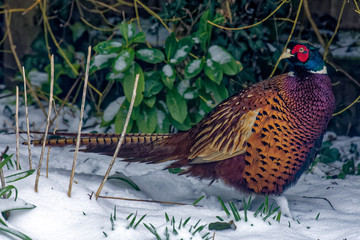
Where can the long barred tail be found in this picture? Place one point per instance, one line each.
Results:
(99, 138)
(150, 148)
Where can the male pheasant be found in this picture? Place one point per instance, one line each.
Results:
(260, 140)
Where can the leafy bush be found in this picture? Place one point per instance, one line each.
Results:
(179, 83)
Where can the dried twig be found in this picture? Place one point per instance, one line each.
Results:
(12, 47)
(47, 124)
(121, 138)
(17, 129)
(150, 201)
(290, 35)
(27, 118)
(80, 122)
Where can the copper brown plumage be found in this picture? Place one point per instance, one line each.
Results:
(260, 140)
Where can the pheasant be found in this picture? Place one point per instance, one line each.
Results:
(260, 140)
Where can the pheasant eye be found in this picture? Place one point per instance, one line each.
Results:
(301, 49)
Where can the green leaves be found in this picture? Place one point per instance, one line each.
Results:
(108, 47)
(129, 81)
(193, 68)
(166, 85)
(177, 106)
(124, 60)
(150, 55)
(147, 120)
(168, 76)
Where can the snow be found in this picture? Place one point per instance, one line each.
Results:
(167, 70)
(112, 109)
(37, 78)
(101, 59)
(146, 53)
(219, 55)
(194, 66)
(120, 63)
(181, 52)
(81, 216)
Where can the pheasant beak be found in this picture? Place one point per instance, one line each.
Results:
(286, 54)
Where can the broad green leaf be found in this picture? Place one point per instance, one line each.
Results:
(101, 61)
(168, 76)
(138, 38)
(176, 105)
(183, 48)
(18, 176)
(120, 120)
(108, 47)
(129, 81)
(184, 126)
(122, 177)
(77, 30)
(153, 83)
(232, 68)
(111, 76)
(170, 46)
(163, 123)
(6, 159)
(124, 60)
(11, 204)
(69, 52)
(193, 68)
(8, 191)
(150, 55)
(135, 112)
(127, 30)
(147, 120)
(112, 109)
(213, 71)
(220, 55)
(218, 92)
(150, 102)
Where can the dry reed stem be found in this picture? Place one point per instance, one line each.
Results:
(249, 26)
(80, 122)
(17, 129)
(13, 47)
(27, 118)
(327, 47)
(47, 124)
(121, 137)
(312, 22)
(47, 162)
(150, 201)
(289, 38)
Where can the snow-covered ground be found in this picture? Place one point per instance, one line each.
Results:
(57, 216)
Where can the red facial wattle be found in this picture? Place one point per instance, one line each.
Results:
(301, 51)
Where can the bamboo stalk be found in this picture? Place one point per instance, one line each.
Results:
(80, 122)
(17, 129)
(27, 118)
(47, 124)
(121, 138)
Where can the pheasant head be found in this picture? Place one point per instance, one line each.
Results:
(304, 58)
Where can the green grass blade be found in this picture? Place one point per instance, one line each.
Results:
(234, 211)
(186, 221)
(198, 200)
(139, 221)
(14, 232)
(224, 207)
